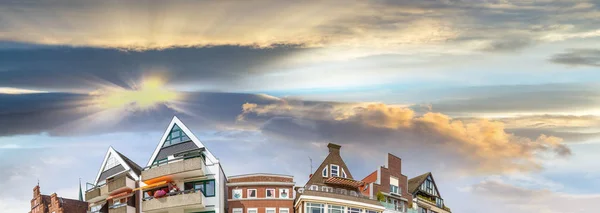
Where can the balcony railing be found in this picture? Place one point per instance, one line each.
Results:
(96, 193)
(120, 182)
(122, 208)
(172, 200)
(174, 166)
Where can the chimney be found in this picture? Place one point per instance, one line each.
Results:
(334, 148)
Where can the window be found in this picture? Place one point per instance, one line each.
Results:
(366, 187)
(315, 208)
(207, 187)
(335, 170)
(284, 193)
(439, 202)
(271, 193)
(354, 210)
(344, 173)
(161, 161)
(326, 189)
(325, 171)
(394, 189)
(335, 209)
(284, 210)
(252, 210)
(237, 210)
(371, 211)
(237, 194)
(176, 136)
(422, 210)
(314, 187)
(251, 193)
(270, 210)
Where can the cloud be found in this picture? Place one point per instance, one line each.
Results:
(80, 69)
(578, 57)
(520, 199)
(379, 23)
(480, 146)
(507, 45)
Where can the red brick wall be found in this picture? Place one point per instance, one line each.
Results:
(260, 202)
(263, 178)
(261, 205)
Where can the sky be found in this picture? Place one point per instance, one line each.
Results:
(497, 98)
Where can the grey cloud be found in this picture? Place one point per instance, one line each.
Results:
(508, 45)
(73, 68)
(66, 114)
(544, 98)
(578, 57)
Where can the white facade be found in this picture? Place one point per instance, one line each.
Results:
(210, 170)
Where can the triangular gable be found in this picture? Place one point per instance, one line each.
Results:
(183, 132)
(420, 181)
(115, 160)
(333, 158)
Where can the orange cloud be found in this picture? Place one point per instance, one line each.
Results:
(480, 142)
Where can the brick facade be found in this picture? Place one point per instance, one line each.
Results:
(394, 169)
(54, 204)
(260, 182)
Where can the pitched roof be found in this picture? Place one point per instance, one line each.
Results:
(344, 182)
(72, 205)
(192, 143)
(134, 166)
(124, 164)
(334, 157)
(414, 183)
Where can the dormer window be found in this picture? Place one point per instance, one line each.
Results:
(344, 173)
(325, 171)
(335, 170)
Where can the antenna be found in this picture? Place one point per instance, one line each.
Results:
(310, 164)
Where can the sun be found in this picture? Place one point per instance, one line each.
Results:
(150, 93)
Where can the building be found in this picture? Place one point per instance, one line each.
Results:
(332, 189)
(113, 189)
(426, 195)
(182, 176)
(54, 204)
(260, 193)
(391, 184)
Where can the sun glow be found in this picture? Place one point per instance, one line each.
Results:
(151, 91)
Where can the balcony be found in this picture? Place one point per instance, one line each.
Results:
(96, 194)
(341, 194)
(122, 209)
(177, 168)
(119, 183)
(183, 199)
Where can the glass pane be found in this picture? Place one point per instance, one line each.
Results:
(210, 188)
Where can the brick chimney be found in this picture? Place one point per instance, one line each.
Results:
(334, 148)
(394, 164)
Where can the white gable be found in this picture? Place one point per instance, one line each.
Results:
(112, 159)
(175, 121)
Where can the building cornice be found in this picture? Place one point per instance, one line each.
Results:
(258, 175)
(262, 184)
(336, 200)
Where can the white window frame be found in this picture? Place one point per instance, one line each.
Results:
(287, 209)
(271, 208)
(250, 209)
(314, 187)
(272, 194)
(337, 173)
(344, 173)
(289, 192)
(237, 210)
(255, 193)
(233, 193)
(325, 172)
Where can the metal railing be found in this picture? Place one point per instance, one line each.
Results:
(341, 192)
(174, 193)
